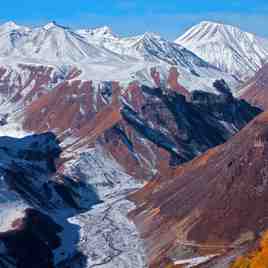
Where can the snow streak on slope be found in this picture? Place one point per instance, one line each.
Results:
(227, 47)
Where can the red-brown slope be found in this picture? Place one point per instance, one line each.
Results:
(256, 90)
(216, 200)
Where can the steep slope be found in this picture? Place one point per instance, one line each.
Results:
(229, 48)
(109, 137)
(214, 205)
(47, 219)
(256, 89)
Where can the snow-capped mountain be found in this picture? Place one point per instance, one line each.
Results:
(52, 42)
(151, 50)
(148, 46)
(100, 55)
(229, 48)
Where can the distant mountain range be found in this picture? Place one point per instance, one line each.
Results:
(103, 56)
(206, 52)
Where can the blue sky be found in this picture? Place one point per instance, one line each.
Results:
(126, 17)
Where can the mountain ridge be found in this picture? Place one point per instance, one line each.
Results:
(99, 55)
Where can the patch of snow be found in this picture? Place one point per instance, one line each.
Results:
(193, 262)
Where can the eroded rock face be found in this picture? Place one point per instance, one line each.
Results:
(214, 204)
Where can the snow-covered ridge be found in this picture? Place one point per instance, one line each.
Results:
(227, 47)
(150, 47)
(51, 42)
(104, 56)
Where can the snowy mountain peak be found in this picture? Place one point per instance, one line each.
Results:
(97, 35)
(53, 24)
(151, 35)
(207, 22)
(227, 47)
(10, 26)
(205, 31)
(105, 30)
